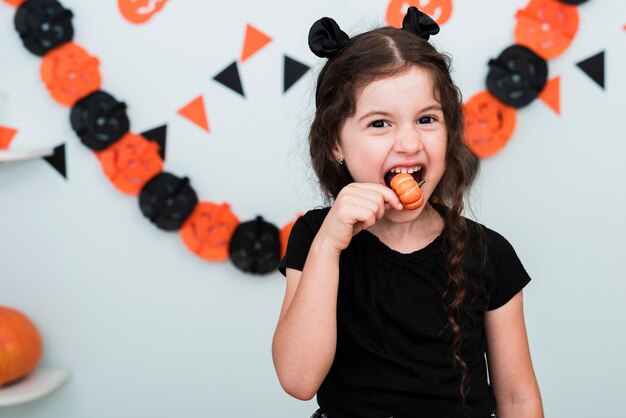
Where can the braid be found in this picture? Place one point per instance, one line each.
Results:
(455, 291)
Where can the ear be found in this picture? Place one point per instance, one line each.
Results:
(337, 151)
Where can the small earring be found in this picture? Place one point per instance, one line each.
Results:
(340, 160)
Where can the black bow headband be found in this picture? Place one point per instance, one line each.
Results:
(326, 38)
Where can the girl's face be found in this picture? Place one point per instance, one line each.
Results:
(398, 125)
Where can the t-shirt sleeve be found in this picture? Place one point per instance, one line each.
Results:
(510, 274)
(302, 234)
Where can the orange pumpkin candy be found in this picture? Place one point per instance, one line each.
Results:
(20, 346)
(407, 190)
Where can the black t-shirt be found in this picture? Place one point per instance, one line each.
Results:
(393, 352)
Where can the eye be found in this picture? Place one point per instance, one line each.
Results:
(426, 120)
(379, 124)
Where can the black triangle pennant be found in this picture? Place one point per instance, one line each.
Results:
(57, 160)
(594, 68)
(229, 77)
(158, 135)
(294, 70)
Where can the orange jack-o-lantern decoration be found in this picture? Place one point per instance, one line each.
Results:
(70, 73)
(439, 10)
(488, 124)
(130, 162)
(20, 346)
(140, 11)
(547, 27)
(284, 235)
(208, 230)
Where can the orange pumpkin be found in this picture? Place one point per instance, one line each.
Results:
(130, 162)
(488, 124)
(20, 346)
(547, 27)
(439, 10)
(140, 11)
(70, 73)
(407, 190)
(208, 230)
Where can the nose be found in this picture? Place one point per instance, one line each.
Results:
(408, 140)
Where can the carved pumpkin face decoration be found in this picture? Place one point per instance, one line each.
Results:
(70, 73)
(488, 124)
(208, 230)
(167, 201)
(131, 162)
(20, 345)
(517, 76)
(43, 25)
(99, 120)
(255, 247)
(547, 27)
(439, 10)
(140, 11)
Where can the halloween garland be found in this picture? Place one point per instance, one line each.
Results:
(545, 29)
(131, 161)
(134, 164)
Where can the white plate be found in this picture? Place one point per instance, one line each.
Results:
(21, 155)
(37, 385)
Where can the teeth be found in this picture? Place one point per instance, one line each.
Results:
(409, 170)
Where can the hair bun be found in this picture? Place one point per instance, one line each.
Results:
(326, 38)
(419, 23)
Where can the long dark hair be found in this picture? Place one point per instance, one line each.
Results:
(382, 53)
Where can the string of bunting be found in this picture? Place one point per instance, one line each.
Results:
(133, 162)
(545, 29)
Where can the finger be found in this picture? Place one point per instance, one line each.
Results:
(369, 221)
(371, 206)
(363, 216)
(388, 194)
(372, 196)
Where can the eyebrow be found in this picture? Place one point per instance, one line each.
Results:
(386, 114)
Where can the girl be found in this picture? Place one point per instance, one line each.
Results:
(390, 312)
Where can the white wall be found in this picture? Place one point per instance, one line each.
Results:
(148, 329)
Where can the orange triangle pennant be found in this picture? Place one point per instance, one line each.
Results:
(15, 3)
(6, 136)
(551, 94)
(255, 40)
(196, 113)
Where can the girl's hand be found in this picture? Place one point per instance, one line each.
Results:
(358, 206)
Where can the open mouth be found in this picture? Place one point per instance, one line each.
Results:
(416, 171)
